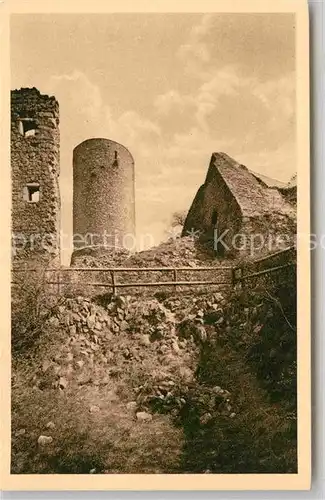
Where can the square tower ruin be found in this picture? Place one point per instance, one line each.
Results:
(35, 160)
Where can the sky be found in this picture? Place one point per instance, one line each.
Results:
(172, 88)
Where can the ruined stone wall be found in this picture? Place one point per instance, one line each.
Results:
(268, 233)
(103, 194)
(193, 221)
(275, 268)
(257, 219)
(290, 194)
(35, 160)
(244, 187)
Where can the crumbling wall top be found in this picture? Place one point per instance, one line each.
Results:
(29, 100)
(253, 198)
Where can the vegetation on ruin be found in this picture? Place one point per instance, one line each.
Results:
(164, 384)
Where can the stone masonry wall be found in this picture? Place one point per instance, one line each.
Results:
(103, 194)
(278, 268)
(35, 142)
(256, 219)
(214, 207)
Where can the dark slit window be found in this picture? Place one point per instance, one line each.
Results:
(115, 162)
(32, 192)
(214, 218)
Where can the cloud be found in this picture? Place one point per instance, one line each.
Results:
(195, 53)
(252, 41)
(279, 163)
(195, 144)
(224, 82)
(278, 95)
(227, 85)
(198, 51)
(171, 101)
(84, 113)
(131, 126)
(204, 99)
(82, 103)
(232, 104)
(204, 27)
(77, 91)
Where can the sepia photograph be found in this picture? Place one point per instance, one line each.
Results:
(154, 236)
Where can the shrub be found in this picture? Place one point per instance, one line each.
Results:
(32, 305)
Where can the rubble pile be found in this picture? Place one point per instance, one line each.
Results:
(188, 251)
(151, 347)
(159, 384)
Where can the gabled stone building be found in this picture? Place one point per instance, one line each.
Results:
(234, 203)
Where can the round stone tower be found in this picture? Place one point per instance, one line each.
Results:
(103, 195)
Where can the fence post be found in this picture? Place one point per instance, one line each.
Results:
(233, 276)
(240, 279)
(175, 278)
(113, 282)
(58, 280)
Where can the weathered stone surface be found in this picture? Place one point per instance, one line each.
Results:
(145, 340)
(20, 432)
(175, 347)
(234, 202)
(124, 325)
(63, 383)
(91, 320)
(143, 416)
(103, 177)
(46, 365)
(35, 159)
(205, 419)
(132, 405)
(94, 409)
(44, 440)
(73, 329)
